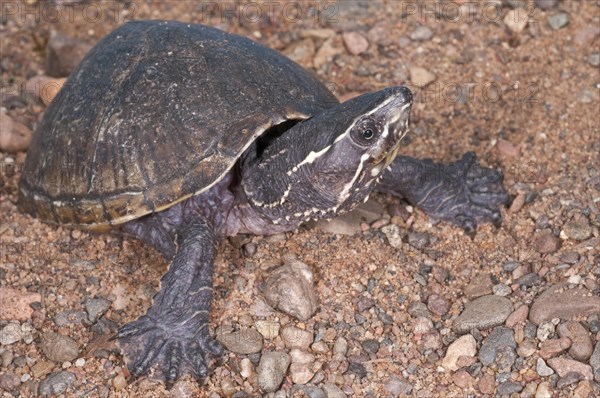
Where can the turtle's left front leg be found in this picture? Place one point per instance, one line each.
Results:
(173, 336)
(463, 193)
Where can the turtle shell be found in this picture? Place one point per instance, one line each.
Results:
(156, 112)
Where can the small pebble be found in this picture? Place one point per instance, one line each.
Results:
(294, 337)
(547, 243)
(480, 285)
(563, 366)
(518, 316)
(371, 346)
(355, 42)
(56, 383)
(59, 348)
(290, 289)
(333, 391)
(271, 370)
(482, 313)
(462, 379)
(581, 344)
(14, 137)
(438, 305)
(268, 329)
(96, 307)
(501, 290)
(553, 347)
(499, 337)
(9, 381)
(594, 59)
(595, 361)
(569, 379)
(463, 346)
(558, 20)
(508, 388)
(10, 334)
(487, 384)
(546, 4)
(559, 302)
(244, 341)
(421, 77)
(422, 33)
(119, 382)
(397, 387)
(545, 330)
(578, 229)
(542, 369)
(516, 19)
(544, 390)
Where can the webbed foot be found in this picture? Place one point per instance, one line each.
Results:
(172, 350)
(463, 193)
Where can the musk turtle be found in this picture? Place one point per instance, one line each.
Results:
(180, 134)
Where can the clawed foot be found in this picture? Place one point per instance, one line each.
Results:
(468, 194)
(171, 350)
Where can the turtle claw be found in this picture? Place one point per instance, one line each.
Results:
(171, 351)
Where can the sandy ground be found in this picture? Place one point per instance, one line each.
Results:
(524, 97)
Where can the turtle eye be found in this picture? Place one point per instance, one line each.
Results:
(365, 132)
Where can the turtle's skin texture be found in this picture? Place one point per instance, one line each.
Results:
(180, 134)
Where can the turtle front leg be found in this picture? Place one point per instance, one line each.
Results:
(173, 336)
(463, 193)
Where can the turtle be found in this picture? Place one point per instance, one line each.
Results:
(181, 134)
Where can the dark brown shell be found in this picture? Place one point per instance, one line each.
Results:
(157, 112)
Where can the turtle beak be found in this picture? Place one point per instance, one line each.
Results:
(394, 113)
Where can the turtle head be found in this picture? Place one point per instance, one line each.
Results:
(326, 165)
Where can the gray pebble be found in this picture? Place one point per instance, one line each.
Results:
(56, 383)
(10, 334)
(501, 290)
(594, 59)
(505, 358)
(371, 346)
(578, 229)
(357, 369)
(500, 336)
(508, 388)
(96, 307)
(560, 302)
(558, 20)
(69, 317)
(333, 391)
(545, 4)
(271, 370)
(245, 341)
(290, 289)
(545, 330)
(483, 312)
(397, 387)
(59, 348)
(419, 240)
(595, 362)
(9, 381)
(417, 309)
(310, 391)
(569, 257)
(529, 280)
(542, 369)
(510, 266)
(581, 344)
(7, 358)
(568, 379)
(422, 33)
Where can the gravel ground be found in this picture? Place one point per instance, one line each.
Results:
(387, 302)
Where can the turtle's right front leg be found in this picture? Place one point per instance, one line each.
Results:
(173, 336)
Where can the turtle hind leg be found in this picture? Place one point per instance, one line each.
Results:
(463, 193)
(173, 336)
